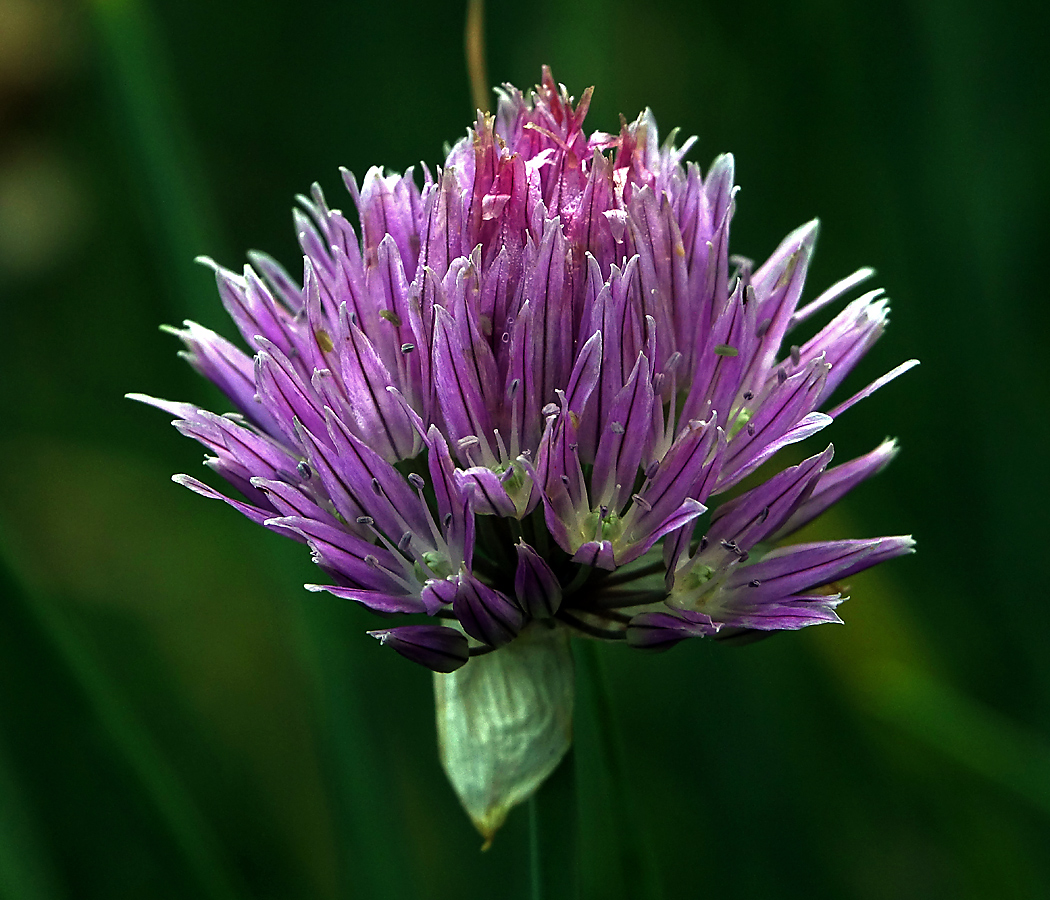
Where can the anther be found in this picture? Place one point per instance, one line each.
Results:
(372, 561)
(642, 502)
(749, 395)
(365, 520)
(762, 516)
(796, 354)
(616, 428)
(755, 583)
(734, 547)
(376, 486)
(447, 520)
(751, 429)
(416, 481)
(782, 375)
(304, 470)
(407, 348)
(551, 409)
(406, 539)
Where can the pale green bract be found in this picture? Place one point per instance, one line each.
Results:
(505, 722)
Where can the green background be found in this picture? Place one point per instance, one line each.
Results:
(178, 718)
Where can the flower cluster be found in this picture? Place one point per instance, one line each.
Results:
(532, 390)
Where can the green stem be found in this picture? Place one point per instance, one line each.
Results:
(641, 879)
(553, 838)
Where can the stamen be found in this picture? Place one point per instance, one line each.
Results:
(304, 470)
(416, 481)
(365, 520)
(735, 548)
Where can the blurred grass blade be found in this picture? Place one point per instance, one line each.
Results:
(975, 736)
(371, 843)
(25, 870)
(187, 828)
(179, 214)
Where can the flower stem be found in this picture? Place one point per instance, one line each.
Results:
(553, 826)
(641, 878)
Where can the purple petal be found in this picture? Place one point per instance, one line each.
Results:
(252, 307)
(535, 585)
(802, 567)
(286, 396)
(454, 501)
(490, 497)
(661, 631)
(759, 512)
(836, 482)
(228, 368)
(622, 441)
(779, 412)
(688, 471)
(457, 384)
(364, 565)
(598, 554)
(257, 515)
(486, 614)
(375, 600)
(838, 289)
(378, 417)
(434, 646)
(873, 387)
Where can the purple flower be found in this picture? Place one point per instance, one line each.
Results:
(530, 390)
